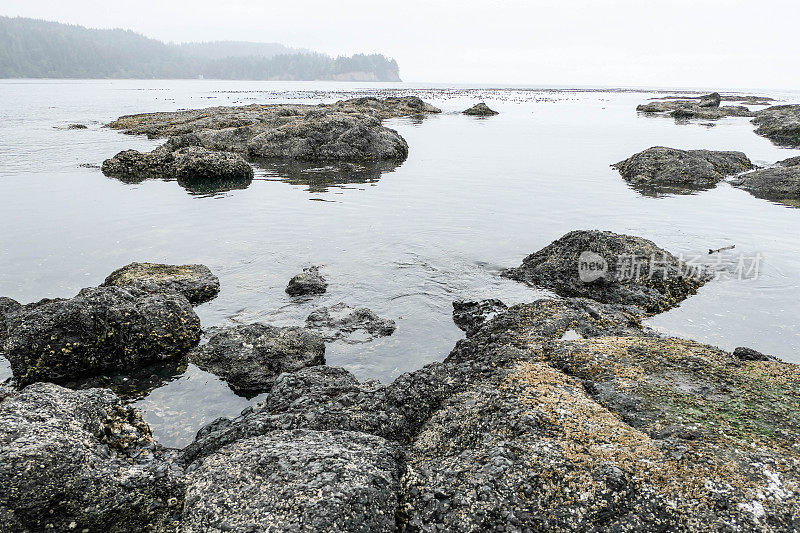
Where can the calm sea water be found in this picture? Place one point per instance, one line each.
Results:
(475, 196)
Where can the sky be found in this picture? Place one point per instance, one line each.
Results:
(631, 43)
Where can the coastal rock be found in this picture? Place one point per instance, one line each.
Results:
(780, 124)
(791, 162)
(710, 100)
(777, 184)
(8, 306)
(668, 167)
(250, 357)
(310, 281)
(749, 354)
(101, 329)
(471, 316)
(82, 461)
(611, 268)
(480, 110)
(132, 166)
(77, 127)
(350, 324)
(296, 481)
(691, 108)
(195, 282)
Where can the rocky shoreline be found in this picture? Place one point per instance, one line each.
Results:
(561, 414)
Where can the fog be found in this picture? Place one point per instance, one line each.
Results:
(677, 43)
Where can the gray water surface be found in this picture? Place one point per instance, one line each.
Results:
(474, 196)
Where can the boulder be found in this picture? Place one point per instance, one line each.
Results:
(710, 100)
(700, 108)
(749, 354)
(296, 481)
(780, 124)
(611, 268)
(195, 282)
(310, 281)
(342, 322)
(250, 357)
(778, 184)
(8, 306)
(82, 461)
(471, 316)
(101, 329)
(480, 110)
(668, 167)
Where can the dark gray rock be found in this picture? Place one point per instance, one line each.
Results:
(710, 100)
(471, 316)
(77, 127)
(691, 108)
(250, 357)
(749, 354)
(659, 167)
(778, 184)
(196, 282)
(296, 481)
(8, 306)
(611, 268)
(81, 461)
(101, 329)
(791, 162)
(780, 124)
(350, 324)
(310, 281)
(480, 110)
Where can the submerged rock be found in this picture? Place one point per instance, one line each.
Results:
(471, 316)
(100, 329)
(778, 184)
(611, 268)
(668, 167)
(296, 481)
(77, 127)
(81, 461)
(350, 324)
(780, 124)
(195, 282)
(250, 357)
(480, 110)
(310, 281)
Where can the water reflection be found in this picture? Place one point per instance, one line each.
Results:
(663, 190)
(320, 177)
(195, 187)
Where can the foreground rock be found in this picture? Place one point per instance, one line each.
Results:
(100, 329)
(195, 282)
(81, 461)
(350, 324)
(471, 316)
(296, 481)
(611, 268)
(480, 110)
(780, 124)
(778, 184)
(310, 281)
(668, 168)
(250, 357)
(8, 306)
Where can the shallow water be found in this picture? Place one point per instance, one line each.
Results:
(475, 196)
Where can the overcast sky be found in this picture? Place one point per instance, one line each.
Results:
(675, 43)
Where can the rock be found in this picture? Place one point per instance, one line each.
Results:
(190, 165)
(780, 124)
(82, 461)
(471, 316)
(778, 184)
(195, 282)
(310, 281)
(668, 167)
(77, 127)
(250, 357)
(7, 307)
(480, 110)
(791, 162)
(692, 108)
(749, 354)
(611, 268)
(710, 100)
(101, 329)
(350, 324)
(296, 481)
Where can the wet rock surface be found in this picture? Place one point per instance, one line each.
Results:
(250, 357)
(100, 329)
(617, 269)
(196, 282)
(780, 124)
(780, 183)
(471, 316)
(700, 108)
(310, 281)
(480, 110)
(81, 461)
(7, 307)
(296, 481)
(749, 354)
(668, 168)
(350, 324)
